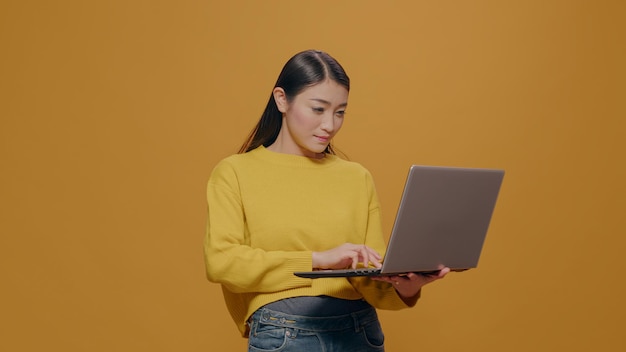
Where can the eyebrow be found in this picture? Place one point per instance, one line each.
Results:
(327, 102)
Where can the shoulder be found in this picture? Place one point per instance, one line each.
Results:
(236, 161)
(226, 170)
(352, 172)
(352, 167)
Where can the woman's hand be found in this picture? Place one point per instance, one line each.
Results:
(348, 255)
(410, 284)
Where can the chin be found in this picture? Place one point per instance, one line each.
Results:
(314, 148)
(318, 150)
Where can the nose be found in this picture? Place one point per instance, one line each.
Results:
(328, 123)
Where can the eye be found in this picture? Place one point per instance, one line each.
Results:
(318, 110)
(340, 113)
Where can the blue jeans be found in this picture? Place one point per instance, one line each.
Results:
(275, 331)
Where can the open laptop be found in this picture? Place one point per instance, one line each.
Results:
(442, 221)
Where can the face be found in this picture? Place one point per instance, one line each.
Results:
(311, 119)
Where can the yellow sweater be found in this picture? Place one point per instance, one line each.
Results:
(267, 213)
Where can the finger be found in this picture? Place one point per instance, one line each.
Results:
(355, 260)
(412, 276)
(398, 280)
(366, 255)
(443, 272)
(386, 279)
(362, 254)
(374, 253)
(373, 257)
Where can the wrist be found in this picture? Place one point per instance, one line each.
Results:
(314, 260)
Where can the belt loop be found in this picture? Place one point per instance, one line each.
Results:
(252, 326)
(355, 318)
(265, 315)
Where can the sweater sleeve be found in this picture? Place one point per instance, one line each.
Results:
(229, 259)
(379, 294)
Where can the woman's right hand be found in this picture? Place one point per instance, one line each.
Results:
(348, 255)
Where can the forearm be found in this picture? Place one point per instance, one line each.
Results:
(244, 269)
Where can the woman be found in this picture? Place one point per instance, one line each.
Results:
(287, 203)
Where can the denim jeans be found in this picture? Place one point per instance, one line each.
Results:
(275, 331)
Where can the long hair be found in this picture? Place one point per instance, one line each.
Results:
(303, 70)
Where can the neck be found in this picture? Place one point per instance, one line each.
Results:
(279, 147)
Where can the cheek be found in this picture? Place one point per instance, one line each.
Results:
(302, 119)
(338, 124)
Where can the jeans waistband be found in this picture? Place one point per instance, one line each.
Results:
(333, 323)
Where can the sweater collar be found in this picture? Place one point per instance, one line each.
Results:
(292, 159)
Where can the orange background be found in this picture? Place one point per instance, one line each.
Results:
(113, 114)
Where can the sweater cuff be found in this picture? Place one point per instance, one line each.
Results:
(411, 301)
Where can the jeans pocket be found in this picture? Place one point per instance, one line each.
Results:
(373, 334)
(267, 337)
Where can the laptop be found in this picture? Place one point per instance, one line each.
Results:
(442, 221)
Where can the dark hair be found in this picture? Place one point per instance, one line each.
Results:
(303, 70)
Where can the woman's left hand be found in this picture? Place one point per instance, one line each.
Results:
(410, 284)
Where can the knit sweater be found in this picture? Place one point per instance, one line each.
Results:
(267, 213)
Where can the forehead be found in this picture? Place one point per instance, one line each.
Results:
(327, 90)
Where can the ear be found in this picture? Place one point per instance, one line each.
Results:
(281, 99)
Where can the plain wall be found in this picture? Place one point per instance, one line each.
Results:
(113, 113)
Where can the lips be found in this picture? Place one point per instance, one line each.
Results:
(324, 139)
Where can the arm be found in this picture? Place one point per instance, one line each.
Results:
(229, 258)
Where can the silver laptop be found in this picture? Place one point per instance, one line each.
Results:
(442, 221)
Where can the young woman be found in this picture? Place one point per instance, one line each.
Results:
(287, 203)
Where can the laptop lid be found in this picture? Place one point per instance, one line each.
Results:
(442, 220)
